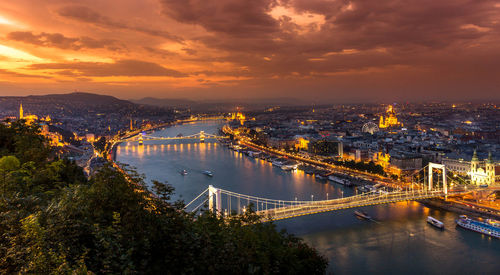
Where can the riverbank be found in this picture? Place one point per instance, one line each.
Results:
(460, 208)
(369, 178)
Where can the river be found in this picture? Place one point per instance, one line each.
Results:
(399, 242)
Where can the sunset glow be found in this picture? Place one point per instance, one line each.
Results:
(329, 49)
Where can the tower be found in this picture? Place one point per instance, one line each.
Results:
(490, 169)
(21, 112)
(381, 123)
(474, 163)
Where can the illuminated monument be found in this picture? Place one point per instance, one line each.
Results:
(30, 119)
(390, 119)
(480, 175)
(238, 116)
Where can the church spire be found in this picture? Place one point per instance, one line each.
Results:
(474, 156)
(21, 112)
(490, 158)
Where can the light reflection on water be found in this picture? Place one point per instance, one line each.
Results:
(401, 241)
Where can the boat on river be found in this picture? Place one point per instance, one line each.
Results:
(208, 173)
(362, 215)
(435, 222)
(183, 172)
(486, 228)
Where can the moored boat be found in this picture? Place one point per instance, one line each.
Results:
(435, 222)
(338, 180)
(289, 166)
(320, 176)
(477, 226)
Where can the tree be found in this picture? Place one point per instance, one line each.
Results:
(8, 164)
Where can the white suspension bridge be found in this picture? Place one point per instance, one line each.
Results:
(201, 136)
(225, 202)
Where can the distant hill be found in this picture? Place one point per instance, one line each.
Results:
(71, 104)
(79, 97)
(85, 112)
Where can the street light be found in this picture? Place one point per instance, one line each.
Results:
(312, 197)
(326, 196)
(342, 193)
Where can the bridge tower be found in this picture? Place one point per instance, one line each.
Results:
(202, 136)
(443, 170)
(214, 192)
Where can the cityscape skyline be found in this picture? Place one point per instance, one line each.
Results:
(250, 136)
(319, 51)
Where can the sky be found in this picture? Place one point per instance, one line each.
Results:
(311, 50)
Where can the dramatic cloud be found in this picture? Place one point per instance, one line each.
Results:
(58, 40)
(15, 74)
(238, 18)
(87, 15)
(119, 68)
(314, 49)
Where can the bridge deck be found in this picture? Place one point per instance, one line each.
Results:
(346, 203)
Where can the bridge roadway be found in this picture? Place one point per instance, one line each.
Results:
(201, 136)
(295, 209)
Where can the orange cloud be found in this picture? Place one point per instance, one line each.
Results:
(220, 48)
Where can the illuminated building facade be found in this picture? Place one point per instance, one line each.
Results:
(30, 119)
(302, 144)
(238, 116)
(482, 175)
(390, 119)
(55, 139)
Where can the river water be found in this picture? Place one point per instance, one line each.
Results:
(400, 242)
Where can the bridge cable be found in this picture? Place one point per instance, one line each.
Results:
(201, 194)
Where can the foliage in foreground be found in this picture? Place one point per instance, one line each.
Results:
(55, 221)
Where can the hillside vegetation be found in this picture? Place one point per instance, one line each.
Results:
(53, 220)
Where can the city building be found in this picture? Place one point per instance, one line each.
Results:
(90, 137)
(404, 164)
(30, 119)
(457, 166)
(238, 116)
(479, 171)
(390, 119)
(302, 144)
(482, 174)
